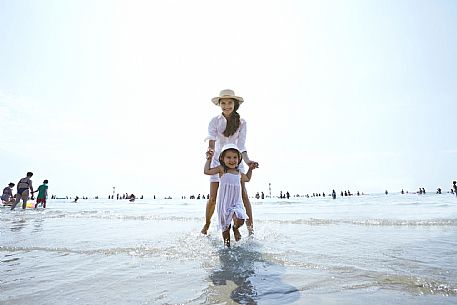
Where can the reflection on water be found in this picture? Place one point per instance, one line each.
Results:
(18, 224)
(38, 225)
(247, 269)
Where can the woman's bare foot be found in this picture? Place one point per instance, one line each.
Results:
(236, 233)
(205, 229)
(250, 227)
(226, 237)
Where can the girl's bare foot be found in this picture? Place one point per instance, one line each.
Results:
(205, 229)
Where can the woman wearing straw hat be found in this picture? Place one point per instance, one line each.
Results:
(227, 128)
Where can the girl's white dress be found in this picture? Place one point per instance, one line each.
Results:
(229, 200)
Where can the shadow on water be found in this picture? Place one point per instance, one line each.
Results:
(256, 279)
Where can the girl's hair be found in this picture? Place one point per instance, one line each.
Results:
(234, 121)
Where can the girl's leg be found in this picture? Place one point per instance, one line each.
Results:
(237, 224)
(247, 206)
(226, 237)
(210, 206)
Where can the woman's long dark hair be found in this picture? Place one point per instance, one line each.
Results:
(233, 122)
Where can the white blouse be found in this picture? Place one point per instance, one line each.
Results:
(216, 132)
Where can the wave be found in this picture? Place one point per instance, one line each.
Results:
(439, 222)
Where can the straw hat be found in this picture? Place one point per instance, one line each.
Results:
(226, 93)
(227, 147)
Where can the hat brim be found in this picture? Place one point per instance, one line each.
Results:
(216, 99)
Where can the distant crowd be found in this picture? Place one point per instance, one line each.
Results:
(333, 194)
(25, 191)
(130, 197)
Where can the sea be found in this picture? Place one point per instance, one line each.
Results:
(370, 249)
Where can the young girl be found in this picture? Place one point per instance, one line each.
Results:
(228, 127)
(229, 204)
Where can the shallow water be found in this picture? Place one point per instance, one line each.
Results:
(373, 249)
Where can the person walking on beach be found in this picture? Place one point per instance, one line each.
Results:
(7, 195)
(42, 194)
(23, 187)
(454, 186)
(227, 128)
(229, 202)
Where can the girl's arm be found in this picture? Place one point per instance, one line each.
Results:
(211, 171)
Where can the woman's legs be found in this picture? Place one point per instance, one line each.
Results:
(210, 205)
(247, 206)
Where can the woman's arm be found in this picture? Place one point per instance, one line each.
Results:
(242, 142)
(249, 161)
(246, 157)
(211, 145)
(247, 177)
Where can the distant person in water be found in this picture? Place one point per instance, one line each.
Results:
(23, 187)
(76, 199)
(454, 186)
(229, 199)
(42, 194)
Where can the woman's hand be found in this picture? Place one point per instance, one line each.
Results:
(253, 164)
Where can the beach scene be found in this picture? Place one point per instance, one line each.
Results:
(241, 152)
(372, 249)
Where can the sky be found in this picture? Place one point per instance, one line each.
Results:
(345, 95)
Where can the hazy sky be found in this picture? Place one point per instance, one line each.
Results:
(356, 95)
